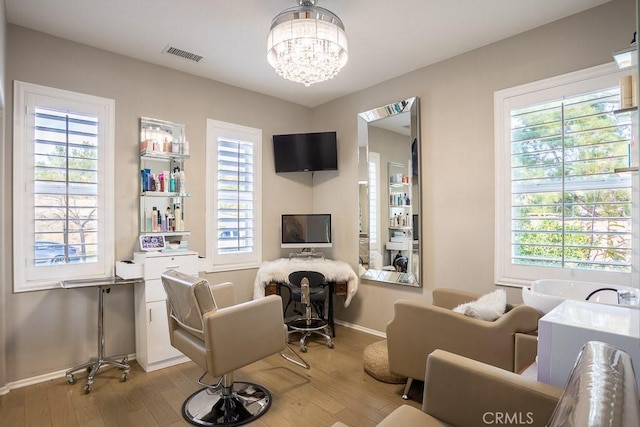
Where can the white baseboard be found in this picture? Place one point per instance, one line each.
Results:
(40, 379)
(361, 329)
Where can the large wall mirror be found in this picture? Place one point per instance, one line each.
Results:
(389, 193)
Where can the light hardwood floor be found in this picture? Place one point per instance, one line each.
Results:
(336, 388)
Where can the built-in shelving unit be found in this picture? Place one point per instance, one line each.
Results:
(163, 153)
(163, 190)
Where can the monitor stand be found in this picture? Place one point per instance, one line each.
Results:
(307, 253)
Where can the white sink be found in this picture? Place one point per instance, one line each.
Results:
(544, 295)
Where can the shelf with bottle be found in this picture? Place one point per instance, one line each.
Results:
(160, 138)
(400, 228)
(163, 194)
(163, 152)
(399, 200)
(164, 183)
(400, 221)
(160, 155)
(166, 219)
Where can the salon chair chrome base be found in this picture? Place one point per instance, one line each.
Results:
(239, 404)
(307, 327)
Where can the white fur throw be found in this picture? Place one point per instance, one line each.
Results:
(487, 307)
(279, 270)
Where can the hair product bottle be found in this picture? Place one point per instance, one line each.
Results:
(178, 214)
(148, 223)
(154, 219)
(159, 221)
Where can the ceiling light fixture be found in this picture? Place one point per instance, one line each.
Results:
(307, 44)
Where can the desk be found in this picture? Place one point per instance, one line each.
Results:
(340, 276)
(278, 271)
(93, 365)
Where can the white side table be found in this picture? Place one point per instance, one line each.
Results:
(564, 330)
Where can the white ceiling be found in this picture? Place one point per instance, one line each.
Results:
(386, 39)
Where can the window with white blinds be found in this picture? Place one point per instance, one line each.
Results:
(567, 210)
(233, 192)
(63, 159)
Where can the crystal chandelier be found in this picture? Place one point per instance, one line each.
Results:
(307, 44)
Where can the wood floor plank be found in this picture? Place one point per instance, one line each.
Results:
(36, 407)
(13, 416)
(336, 388)
(60, 406)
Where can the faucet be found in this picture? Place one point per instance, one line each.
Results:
(599, 290)
(627, 297)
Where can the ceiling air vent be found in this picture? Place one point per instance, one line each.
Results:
(182, 54)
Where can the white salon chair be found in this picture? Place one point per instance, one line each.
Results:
(221, 337)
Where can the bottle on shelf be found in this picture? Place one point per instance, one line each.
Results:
(172, 183)
(148, 223)
(178, 219)
(183, 183)
(159, 224)
(154, 220)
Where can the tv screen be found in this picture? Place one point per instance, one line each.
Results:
(305, 152)
(306, 231)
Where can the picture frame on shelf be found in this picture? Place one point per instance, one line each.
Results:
(150, 242)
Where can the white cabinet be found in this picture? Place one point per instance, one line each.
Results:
(153, 349)
(564, 330)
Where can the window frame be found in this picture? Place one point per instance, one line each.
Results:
(578, 82)
(237, 261)
(28, 97)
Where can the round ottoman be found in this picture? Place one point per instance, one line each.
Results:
(376, 363)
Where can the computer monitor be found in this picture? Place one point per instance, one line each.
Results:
(306, 231)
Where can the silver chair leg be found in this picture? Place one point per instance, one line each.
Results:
(300, 362)
(405, 394)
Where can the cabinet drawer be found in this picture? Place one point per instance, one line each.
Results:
(154, 291)
(155, 266)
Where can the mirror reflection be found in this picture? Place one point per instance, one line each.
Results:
(389, 193)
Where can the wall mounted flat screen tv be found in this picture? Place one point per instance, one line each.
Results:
(306, 231)
(305, 152)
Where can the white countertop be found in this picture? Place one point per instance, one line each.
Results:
(617, 320)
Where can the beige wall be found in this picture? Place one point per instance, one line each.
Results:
(62, 323)
(456, 98)
(52, 330)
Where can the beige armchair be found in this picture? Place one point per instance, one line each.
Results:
(221, 337)
(601, 391)
(417, 329)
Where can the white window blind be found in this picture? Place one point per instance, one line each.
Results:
(63, 186)
(569, 207)
(562, 209)
(234, 234)
(235, 197)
